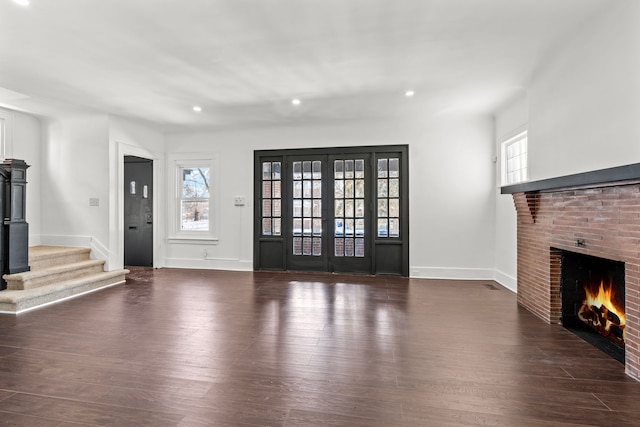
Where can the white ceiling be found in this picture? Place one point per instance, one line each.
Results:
(243, 61)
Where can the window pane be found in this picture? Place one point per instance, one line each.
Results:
(339, 247)
(306, 189)
(359, 208)
(276, 170)
(297, 170)
(317, 226)
(348, 247)
(359, 188)
(394, 227)
(307, 226)
(266, 170)
(394, 168)
(394, 208)
(382, 168)
(360, 168)
(382, 208)
(266, 189)
(297, 189)
(277, 207)
(297, 245)
(194, 215)
(338, 167)
(348, 188)
(359, 247)
(306, 169)
(382, 228)
(382, 188)
(276, 189)
(317, 208)
(339, 208)
(297, 208)
(317, 189)
(266, 208)
(339, 229)
(317, 246)
(394, 188)
(360, 227)
(349, 227)
(277, 229)
(339, 189)
(195, 182)
(297, 226)
(266, 226)
(306, 246)
(348, 169)
(317, 171)
(348, 208)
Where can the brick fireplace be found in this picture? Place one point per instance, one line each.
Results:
(597, 214)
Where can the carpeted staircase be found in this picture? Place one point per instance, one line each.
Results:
(57, 273)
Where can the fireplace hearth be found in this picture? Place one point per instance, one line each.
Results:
(593, 301)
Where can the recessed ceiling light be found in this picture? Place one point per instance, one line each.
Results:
(197, 108)
(295, 101)
(409, 93)
(22, 2)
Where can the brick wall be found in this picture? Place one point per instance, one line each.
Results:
(607, 221)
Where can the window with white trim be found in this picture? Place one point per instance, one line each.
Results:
(193, 210)
(514, 160)
(194, 198)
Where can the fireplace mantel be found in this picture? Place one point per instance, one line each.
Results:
(620, 175)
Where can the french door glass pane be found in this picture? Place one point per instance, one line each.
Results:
(388, 197)
(349, 207)
(271, 198)
(307, 208)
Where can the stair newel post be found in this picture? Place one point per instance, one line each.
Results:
(15, 229)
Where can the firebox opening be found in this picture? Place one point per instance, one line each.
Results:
(593, 295)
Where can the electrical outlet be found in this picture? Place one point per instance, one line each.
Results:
(239, 201)
(94, 202)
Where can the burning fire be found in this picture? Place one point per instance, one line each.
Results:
(600, 312)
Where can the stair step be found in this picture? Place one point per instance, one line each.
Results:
(46, 276)
(41, 257)
(16, 301)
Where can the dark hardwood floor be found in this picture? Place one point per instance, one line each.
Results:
(200, 348)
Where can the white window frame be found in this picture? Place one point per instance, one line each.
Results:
(177, 163)
(6, 118)
(515, 166)
(2, 139)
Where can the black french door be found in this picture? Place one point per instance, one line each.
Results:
(335, 210)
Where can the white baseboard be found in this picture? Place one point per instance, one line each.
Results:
(210, 264)
(507, 281)
(452, 273)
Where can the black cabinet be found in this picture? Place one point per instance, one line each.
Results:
(14, 233)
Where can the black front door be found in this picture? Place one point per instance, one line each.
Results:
(138, 211)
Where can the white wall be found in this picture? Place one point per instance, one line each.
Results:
(75, 168)
(509, 121)
(585, 98)
(23, 133)
(452, 189)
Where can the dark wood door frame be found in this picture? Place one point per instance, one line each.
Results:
(389, 254)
